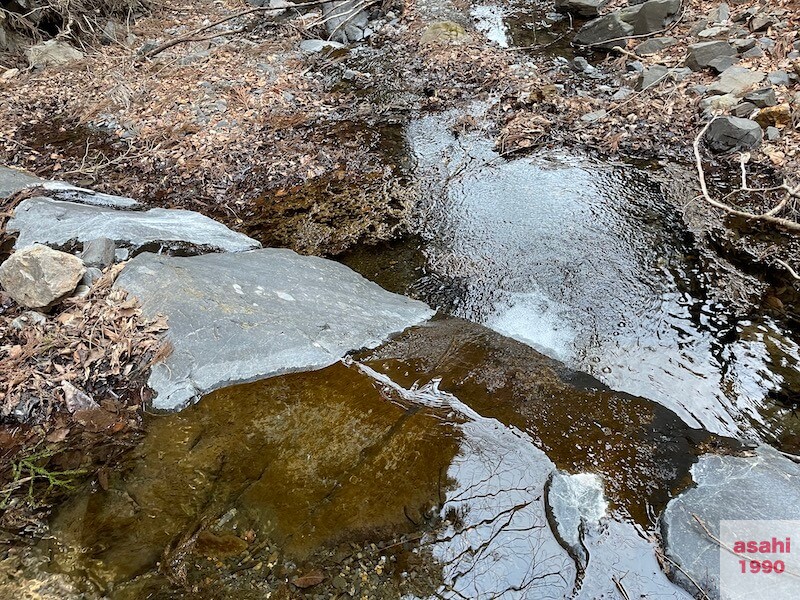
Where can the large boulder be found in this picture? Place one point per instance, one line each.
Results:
(762, 487)
(240, 317)
(38, 276)
(582, 8)
(733, 133)
(42, 220)
(700, 56)
(52, 53)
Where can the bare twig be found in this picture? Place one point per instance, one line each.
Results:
(189, 37)
(768, 217)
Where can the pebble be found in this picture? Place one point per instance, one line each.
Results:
(772, 133)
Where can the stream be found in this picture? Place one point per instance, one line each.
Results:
(522, 444)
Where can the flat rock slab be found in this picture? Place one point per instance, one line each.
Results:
(15, 180)
(765, 486)
(58, 223)
(240, 317)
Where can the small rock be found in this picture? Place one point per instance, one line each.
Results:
(700, 55)
(723, 62)
(733, 133)
(314, 46)
(762, 21)
(582, 8)
(753, 53)
(29, 317)
(653, 14)
(779, 116)
(92, 274)
(721, 14)
(654, 45)
(605, 32)
(772, 133)
(38, 276)
(121, 254)
(9, 74)
(713, 32)
(736, 80)
(717, 104)
(778, 78)
(636, 66)
(76, 400)
(762, 98)
(700, 90)
(651, 77)
(81, 291)
(744, 109)
(766, 43)
(699, 26)
(581, 65)
(743, 45)
(51, 53)
(98, 252)
(622, 93)
(680, 73)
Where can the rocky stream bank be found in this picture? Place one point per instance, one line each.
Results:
(543, 365)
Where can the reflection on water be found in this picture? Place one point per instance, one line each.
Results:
(417, 469)
(588, 263)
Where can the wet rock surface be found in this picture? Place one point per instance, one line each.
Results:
(284, 311)
(38, 276)
(55, 222)
(764, 486)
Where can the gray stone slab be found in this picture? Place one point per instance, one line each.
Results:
(240, 317)
(15, 180)
(58, 223)
(765, 486)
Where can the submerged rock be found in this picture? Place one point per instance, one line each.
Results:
(54, 222)
(38, 276)
(762, 487)
(240, 317)
(442, 32)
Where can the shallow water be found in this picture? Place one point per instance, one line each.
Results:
(436, 454)
(589, 263)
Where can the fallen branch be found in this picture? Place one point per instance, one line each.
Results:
(190, 37)
(767, 217)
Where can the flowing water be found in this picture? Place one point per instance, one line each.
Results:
(521, 445)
